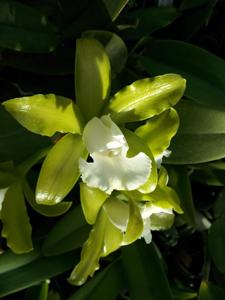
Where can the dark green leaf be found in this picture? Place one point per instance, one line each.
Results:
(204, 72)
(180, 181)
(68, 234)
(16, 143)
(105, 285)
(209, 291)
(145, 272)
(35, 272)
(216, 244)
(149, 20)
(10, 261)
(201, 135)
(23, 28)
(38, 292)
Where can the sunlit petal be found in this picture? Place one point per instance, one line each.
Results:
(102, 135)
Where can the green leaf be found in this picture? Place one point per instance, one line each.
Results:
(219, 205)
(46, 114)
(45, 210)
(16, 225)
(145, 273)
(210, 173)
(60, 171)
(134, 225)
(149, 20)
(201, 135)
(104, 238)
(204, 85)
(114, 46)
(114, 7)
(92, 77)
(68, 234)
(34, 272)
(10, 261)
(92, 200)
(16, 143)
(137, 145)
(180, 181)
(98, 14)
(209, 291)
(146, 98)
(216, 243)
(38, 292)
(7, 174)
(159, 131)
(25, 29)
(106, 284)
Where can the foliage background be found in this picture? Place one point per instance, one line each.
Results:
(37, 40)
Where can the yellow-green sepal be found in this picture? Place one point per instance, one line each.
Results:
(134, 225)
(92, 200)
(16, 226)
(146, 98)
(45, 210)
(60, 170)
(159, 130)
(136, 145)
(46, 114)
(92, 77)
(104, 238)
(164, 196)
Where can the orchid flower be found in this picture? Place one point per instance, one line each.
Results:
(121, 193)
(111, 169)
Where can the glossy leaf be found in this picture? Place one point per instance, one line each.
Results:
(16, 143)
(46, 114)
(104, 238)
(25, 29)
(105, 284)
(201, 135)
(114, 46)
(204, 85)
(16, 225)
(60, 171)
(216, 243)
(180, 181)
(45, 210)
(10, 261)
(92, 200)
(92, 77)
(34, 272)
(146, 98)
(114, 7)
(209, 291)
(210, 173)
(150, 19)
(159, 131)
(68, 234)
(144, 271)
(137, 145)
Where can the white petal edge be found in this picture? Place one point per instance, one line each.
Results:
(119, 172)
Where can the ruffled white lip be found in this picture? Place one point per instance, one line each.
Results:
(2, 196)
(111, 169)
